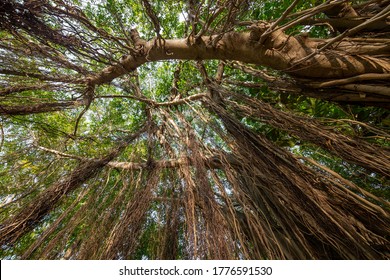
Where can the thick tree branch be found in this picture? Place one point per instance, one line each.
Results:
(364, 89)
(21, 88)
(158, 104)
(279, 52)
(12, 110)
(43, 77)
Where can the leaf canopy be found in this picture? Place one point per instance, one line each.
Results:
(128, 131)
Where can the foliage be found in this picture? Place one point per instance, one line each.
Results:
(185, 158)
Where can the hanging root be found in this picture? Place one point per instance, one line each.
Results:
(303, 214)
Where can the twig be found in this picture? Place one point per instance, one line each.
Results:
(2, 136)
(307, 14)
(152, 15)
(158, 104)
(60, 154)
(206, 26)
(280, 19)
(143, 99)
(88, 98)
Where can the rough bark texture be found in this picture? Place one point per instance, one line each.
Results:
(279, 51)
(10, 110)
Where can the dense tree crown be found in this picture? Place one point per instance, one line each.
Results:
(212, 129)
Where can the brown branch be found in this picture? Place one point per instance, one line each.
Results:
(368, 89)
(43, 77)
(88, 98)
(181, 101)
(175, 81)
(206, 26)
(342, 10)
(361, 5)
(211, 162)
(61, 154)
(239, 47)
(344, 96)
(21, 88)
(12, 110)
(347, 23)
(359, 78)
(252, 71)
(219, 74)
(2, 136)
(280, 19)
(152, 16)
(143, 99)
(304, 15)
(382, 15)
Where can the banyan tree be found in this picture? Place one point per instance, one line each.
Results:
(212, 129)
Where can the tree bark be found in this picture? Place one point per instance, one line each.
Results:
(12, 110)
(278, 51)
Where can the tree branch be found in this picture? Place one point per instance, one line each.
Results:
(359, 78)
(12, 110)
